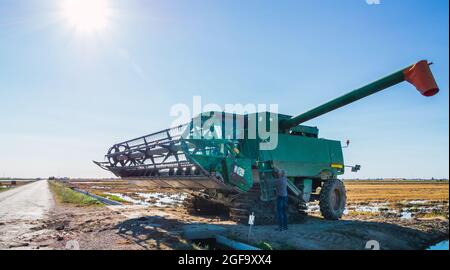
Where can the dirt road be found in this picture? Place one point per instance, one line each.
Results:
(22, 209)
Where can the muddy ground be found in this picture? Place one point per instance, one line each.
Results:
(153, 219)
(141, 227)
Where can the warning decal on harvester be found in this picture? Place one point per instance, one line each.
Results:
(239, 171)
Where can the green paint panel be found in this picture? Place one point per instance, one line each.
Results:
(304, 156)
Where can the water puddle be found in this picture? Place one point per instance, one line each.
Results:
(163, 199)
(405, 215)
(418, 202)
(128, 198)
(439, 246)
(404, 210)
(100, 187)
(157, 199)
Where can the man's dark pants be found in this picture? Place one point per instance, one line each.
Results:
(281, 211)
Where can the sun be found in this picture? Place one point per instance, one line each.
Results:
(87, 16)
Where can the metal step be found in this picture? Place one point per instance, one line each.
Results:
(297, 192)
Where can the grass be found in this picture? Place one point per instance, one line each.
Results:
(264, 245)
(112, 197)
(3, 189)
(66, 195)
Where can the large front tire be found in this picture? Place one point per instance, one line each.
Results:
(332, 199)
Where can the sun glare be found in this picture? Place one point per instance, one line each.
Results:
(87, 16)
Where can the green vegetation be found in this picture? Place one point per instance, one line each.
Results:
(66, 195)
(2, 188)
(264, 245)
(112, 197)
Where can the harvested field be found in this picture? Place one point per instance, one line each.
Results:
(392, 200)
(380, 191)
(7, 184)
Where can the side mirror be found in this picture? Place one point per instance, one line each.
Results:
(356, 168)
(347, 143)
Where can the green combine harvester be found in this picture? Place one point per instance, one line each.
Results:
(228, 166)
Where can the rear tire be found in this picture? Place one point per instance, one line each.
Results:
(332, 199)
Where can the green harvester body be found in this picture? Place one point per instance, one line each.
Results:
(230, 150)
(299, 151)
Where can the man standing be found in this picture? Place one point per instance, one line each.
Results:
(282, 199)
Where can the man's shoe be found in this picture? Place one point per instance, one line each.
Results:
(303, 206)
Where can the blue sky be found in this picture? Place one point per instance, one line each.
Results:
(65, 97)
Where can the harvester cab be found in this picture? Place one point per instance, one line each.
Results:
(227, 160)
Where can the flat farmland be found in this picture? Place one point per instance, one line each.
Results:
(391, 191)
